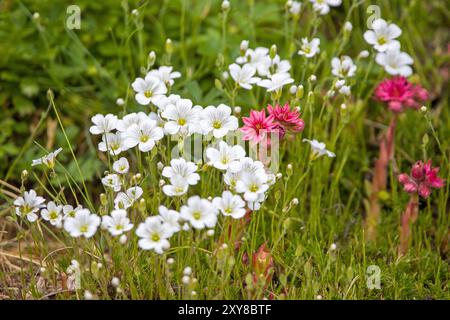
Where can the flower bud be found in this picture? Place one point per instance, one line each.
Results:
(363, 54)
(243, 47)
(120, 102)
(225, 5)
(151, 58)
(293, 89)
(123, 239)
(115, 282)
(423, 109)
(169, 46)
(273, 51)
(187, 271)
(300, 92)
(103, 199)
(135, 12)
(237, 110)
(313, 78)
(348, 27)
(289, 170)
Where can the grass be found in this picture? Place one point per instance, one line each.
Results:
(89, 69)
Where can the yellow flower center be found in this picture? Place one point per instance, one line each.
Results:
(53, 215)
(156, 237)
(254, 188)
(381, 40)
(197, 215)
(84, 229)
(217, 124)
(144, 138)
(181, 121)
(148, 93)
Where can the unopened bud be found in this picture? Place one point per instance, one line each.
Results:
(273, 51)
(225, 5)
(169, 46)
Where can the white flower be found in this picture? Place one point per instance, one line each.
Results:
(124, 200)
(154, 235)
(28, 205)
(112, 142)
(144, 135)
(276, 82)
(162, 102)
(103, 124)
(395, 62)
(117, 222)
(323, 6)
(252, 186)
(48, 159)
(257, 58)
(276, 65)
(148, 89)
(165, 74)
(226, 157)
(343, 67)
(230, 205)
(309, 48)
(199, 212)
(244, 45)
(112, 181)
(121, 166)
(70, 211)
(182, 117)
(178, 187)
(345, 90)
(382, 35)
(218, 120)
(182, 169)
(319, 148)
(52, 214)
(132, 118)
(256, 205)
(348, 26)
(295, 7)
(171, 218)
(83, 224)
(244, 76)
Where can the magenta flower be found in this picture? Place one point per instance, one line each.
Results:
(423, 177)
(400, 94)
(257, 126)
(289, 120)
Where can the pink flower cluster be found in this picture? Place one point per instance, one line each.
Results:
(423, 177)
(280, 120)
(400, 94)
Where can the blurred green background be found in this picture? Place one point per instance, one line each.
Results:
(89, 68)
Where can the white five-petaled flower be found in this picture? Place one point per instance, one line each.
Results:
(323, 6)
(112, 181)
(252, 186)
(199, 212)
(177, 187)
(70, 211)
(154, 234)
(117, 222)
(48, 159)
(319, 148)
(171, 218)
(343, 67)
(165, 74)
(309, 48)
(258, 58)
(112, 142)
(144, 136)
(28, 205)
(52, 213)
(148, 89)
(124, 200)
(182, 117)
(162, 102)
(180, 168)
(103, 124)
(121, 166)
(276, 81)
(226, 157)
(382, 35)
(276, 65)
(84, 224)
(395, 62)
(218, 120)
(132, 118)
(230, 205)
(295, 7)
(244, 76)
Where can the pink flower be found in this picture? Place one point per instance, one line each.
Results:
(257, 126)
(423, 177)
(400, 94)
(289, 120)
